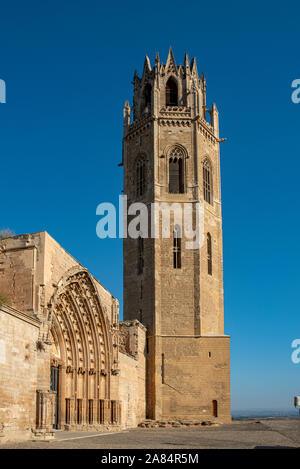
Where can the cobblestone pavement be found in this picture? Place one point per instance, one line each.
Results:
(279, 433)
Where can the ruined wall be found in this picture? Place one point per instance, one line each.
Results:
(132, 379)
(18, 374)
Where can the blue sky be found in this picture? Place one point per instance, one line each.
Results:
(68, 67)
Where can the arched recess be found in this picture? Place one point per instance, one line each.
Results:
(140, 175)
(207, 169)
(176, 181)
(81, 350)
(172, 91)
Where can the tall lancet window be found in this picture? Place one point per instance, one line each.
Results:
(140, 259)
(147, 96)
(171, 92)
(209, 254)
(176, 171)
(177, 248)
(207, 182)
(140, 177)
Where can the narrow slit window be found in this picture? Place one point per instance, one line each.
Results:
(163, 368)
(140, 177)
(140, 256)
(209, 254)
(177, 248)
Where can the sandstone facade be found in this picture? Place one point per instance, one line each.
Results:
(171, 155)
(60, 344)
(66, 362)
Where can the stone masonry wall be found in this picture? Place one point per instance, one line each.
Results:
(18, 374)
(132, 380)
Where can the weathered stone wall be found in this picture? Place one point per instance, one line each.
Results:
(132, 380)
(78, 333)
(180, 307)
(193, 373)
(18, 373)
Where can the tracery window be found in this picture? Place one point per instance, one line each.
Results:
(207, 182)
(176, 171)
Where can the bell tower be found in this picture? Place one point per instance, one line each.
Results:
(171, 157)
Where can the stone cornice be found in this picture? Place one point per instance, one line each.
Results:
(20, 315)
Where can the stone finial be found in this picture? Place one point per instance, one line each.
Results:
(170, 63)
(157, 59)
(147, 65)
(186, 63)
(194, 69)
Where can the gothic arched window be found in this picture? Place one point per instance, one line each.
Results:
(177, 248)
(176, 171)
(140, 177)
(209, 254)
(171, 92)
(147, 96)
(207, 182)
(140, 255)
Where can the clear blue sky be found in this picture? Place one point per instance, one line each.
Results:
(68, 66)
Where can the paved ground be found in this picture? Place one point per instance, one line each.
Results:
(279, 433)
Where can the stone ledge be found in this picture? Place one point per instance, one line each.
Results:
(176, 423)
(43, 435)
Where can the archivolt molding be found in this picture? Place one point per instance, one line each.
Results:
(168, 149)
(81, 328)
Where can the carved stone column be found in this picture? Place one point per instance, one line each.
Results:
(45, 415)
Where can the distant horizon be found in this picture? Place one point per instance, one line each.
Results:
(265, 411)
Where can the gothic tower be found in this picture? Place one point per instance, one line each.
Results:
(171, 155)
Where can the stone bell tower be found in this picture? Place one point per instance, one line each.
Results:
(171, 155)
